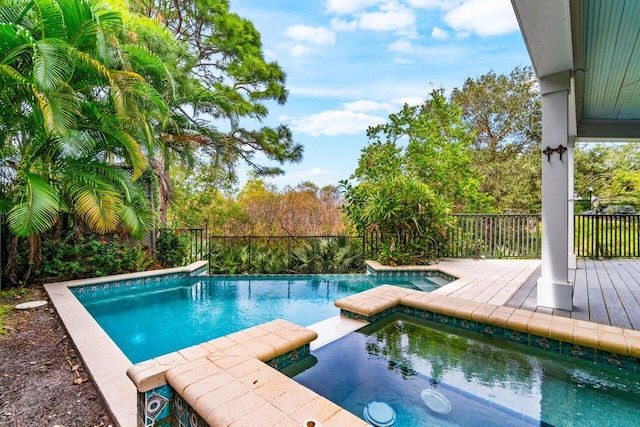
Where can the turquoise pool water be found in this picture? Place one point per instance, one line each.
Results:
(149, 319)
(487, 381)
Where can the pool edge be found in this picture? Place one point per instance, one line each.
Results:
(105, 363)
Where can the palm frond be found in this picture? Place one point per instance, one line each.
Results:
(37, 210)
(51, 66)
(147, 63)
(94, 199)
(15, 11)
(59, 110)
(52, 19)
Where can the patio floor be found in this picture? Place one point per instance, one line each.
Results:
(605, 291)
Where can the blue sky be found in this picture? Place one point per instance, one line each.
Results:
(350, 63)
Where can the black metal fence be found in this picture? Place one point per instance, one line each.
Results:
(607, 236)
(471, 236)
(493, 236)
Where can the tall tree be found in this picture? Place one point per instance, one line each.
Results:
(504, 113)
(224, 77)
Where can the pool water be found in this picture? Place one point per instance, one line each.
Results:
(487, 381)
(146, 321)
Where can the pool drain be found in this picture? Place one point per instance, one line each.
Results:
(379, 414)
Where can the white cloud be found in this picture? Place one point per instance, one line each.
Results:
(404, 46)
(434, 4)
(317, 35)
(343, 25)
(270, 55)
(364, 105)
(391, 17)
(483, 17)
(336, 122)
(439, 34)
(341, 7)
(299, 50)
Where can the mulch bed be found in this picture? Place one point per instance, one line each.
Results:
(42, 380)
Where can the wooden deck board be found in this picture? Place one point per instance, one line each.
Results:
(625, 286)
(597, 306)
(605, 291)
(610, 291)
(580, 295)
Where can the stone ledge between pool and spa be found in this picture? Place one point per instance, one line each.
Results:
(142, 277)
(434, 270)
(591, 341)
(233, 379)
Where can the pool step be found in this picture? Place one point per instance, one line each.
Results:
(423, 285)
(427, 285)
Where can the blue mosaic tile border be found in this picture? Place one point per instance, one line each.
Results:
(163, 407)
(627, 363)
(290, 358)
(290, 276)
(410, 273)
(155, 407)
(148, 282)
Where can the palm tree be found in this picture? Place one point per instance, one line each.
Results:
(77, 108)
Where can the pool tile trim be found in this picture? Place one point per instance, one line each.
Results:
(149, 278)
(432, 270)
(577, 338)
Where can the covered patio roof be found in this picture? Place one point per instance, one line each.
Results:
(598, 42)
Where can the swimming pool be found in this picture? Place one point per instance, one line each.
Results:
(148, 319)
(487, 381)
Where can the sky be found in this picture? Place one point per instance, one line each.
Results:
(351, 63)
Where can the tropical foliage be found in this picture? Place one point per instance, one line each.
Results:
(77, 256)
(93, 94)
(303, 255)
(73, 105)
(172, 247)
(76, 102)
(404, 194)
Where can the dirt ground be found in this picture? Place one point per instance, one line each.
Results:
(42, 380)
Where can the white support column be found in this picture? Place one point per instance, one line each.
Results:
(572, 261)
(553, 287)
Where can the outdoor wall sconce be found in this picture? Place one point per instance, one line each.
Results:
(560, 149)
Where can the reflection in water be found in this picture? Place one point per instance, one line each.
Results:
(488, 381)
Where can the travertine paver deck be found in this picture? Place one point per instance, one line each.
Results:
(481, 280)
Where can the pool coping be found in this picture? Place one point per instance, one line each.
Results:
(542, 330)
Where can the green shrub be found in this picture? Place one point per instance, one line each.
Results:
(77, 256)
(172, 247)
